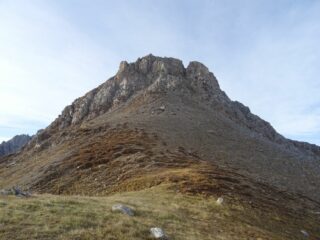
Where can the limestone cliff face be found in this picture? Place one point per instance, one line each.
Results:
(13, 145)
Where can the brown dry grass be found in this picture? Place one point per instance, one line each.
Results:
(106, 161)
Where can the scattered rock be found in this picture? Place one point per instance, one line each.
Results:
(162, 108)
(158, 233)
(219, 200)
(123, 209)
(304, 233)
(15, 191)
(19, 193)
(12, 164)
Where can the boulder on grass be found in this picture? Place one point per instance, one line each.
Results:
(158, 233)
(123, 209)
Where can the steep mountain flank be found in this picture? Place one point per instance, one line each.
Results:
(186, 109)
(14, 144)
(159, 125)
(155, 76)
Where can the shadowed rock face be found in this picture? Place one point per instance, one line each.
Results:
(14, 145)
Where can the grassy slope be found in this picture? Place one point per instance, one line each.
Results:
(182, 216)
(132, 161)
(102, 159)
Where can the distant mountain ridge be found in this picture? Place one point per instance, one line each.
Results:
(13, 145)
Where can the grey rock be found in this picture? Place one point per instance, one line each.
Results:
(162, 108)
(123, 209)
(18, 192)
(14, 144)
(219, 200)
(304, 233)
(158, 233)
(15, 191)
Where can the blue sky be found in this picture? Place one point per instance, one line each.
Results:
(265, 54)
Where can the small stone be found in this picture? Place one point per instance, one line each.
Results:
(304, 233)
(162, 108)
(158, 233)
(15, 191)
(219, 200)
(12, 164)
(19, 193)
(123, 209)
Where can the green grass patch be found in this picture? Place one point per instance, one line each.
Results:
(183, 217)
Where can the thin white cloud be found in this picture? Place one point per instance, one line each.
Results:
(264, 53)
(45, 63)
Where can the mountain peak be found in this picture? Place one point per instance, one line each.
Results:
(151, 64)
(149, 74)
(183, 111)
(153, 77)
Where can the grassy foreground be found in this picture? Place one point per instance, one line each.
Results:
(181, 216)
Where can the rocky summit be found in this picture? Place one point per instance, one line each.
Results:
(159, 124)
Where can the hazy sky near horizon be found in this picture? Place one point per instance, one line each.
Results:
(265, 54)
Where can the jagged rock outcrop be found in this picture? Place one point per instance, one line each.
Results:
(14, 144)
(151, 74)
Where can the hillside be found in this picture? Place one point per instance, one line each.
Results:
(159, 125)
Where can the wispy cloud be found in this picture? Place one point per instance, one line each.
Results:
(265, 53)
(45, 64)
